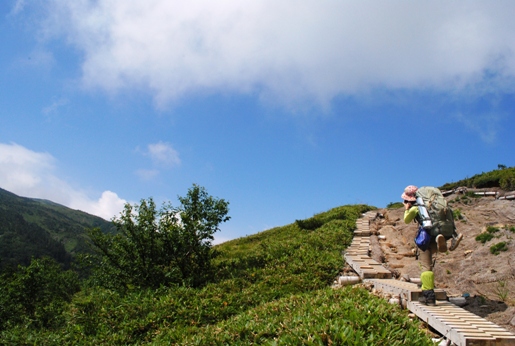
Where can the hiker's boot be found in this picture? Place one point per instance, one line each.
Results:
(428, 298)
(441, 243)
(455, 241)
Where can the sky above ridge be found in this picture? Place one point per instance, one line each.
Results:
(283, 108)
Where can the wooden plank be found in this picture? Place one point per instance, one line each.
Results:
(464, 328)
(366, 267)
(408, 290)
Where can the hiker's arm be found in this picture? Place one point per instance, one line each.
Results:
(409, 214)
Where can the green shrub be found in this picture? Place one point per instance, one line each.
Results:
(484, 237)
(492, 229)
(170, 246)
(503, 178)
(497, 248)
(394, 205)
(309, 224)
(36, 295)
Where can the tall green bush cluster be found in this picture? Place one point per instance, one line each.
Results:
(153, 248)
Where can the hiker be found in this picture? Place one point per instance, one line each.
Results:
(437, 244)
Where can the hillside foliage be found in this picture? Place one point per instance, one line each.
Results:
(34, 228)
(503, 178)
(271, 288)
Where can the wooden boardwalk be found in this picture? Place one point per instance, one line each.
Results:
(457, 325)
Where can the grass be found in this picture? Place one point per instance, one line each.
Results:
(501, 290)
(457, 214)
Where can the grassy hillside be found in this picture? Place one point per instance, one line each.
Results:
(503, 178)
(272, 288)
(36, 228)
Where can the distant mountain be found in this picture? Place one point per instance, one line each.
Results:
(32, 227)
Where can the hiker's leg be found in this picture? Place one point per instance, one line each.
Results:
(425, 258)
(427, 276)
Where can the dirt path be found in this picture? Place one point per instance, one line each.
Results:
(471, 270)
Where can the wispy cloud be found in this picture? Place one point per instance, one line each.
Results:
(485, 125)
(285, 51)
(55, 106)
(147, 174)
(33, 174)
(163, 154)
(18, 7)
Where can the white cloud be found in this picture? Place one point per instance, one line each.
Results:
(288, 51)
(163, 154)
(32, 174)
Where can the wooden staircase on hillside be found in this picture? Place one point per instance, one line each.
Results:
(457, 325)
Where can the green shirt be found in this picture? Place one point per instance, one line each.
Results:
(410, 214)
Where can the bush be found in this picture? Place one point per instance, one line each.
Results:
(492, 229)
(171, 246)
(394, 205)
(484, 237)
(36, 295)
(309, 224)
(503, 178)
(497, 248)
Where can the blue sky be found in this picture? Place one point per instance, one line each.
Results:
(283, 108)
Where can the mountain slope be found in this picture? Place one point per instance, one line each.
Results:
(35, 228)
(474, 268)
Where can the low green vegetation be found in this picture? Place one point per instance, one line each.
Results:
(36, 296)
(484, 237)
(503, 177)
(492, 229)
(501, 290)
(394, 205)
(457, 214)
(271, 288)
(497, 248)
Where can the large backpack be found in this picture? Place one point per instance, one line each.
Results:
(440, 213)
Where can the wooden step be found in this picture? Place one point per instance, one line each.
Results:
(366, 267)
(460, 326)
(405, 290)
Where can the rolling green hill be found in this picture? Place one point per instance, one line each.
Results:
(36, 228)
(270, 288)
